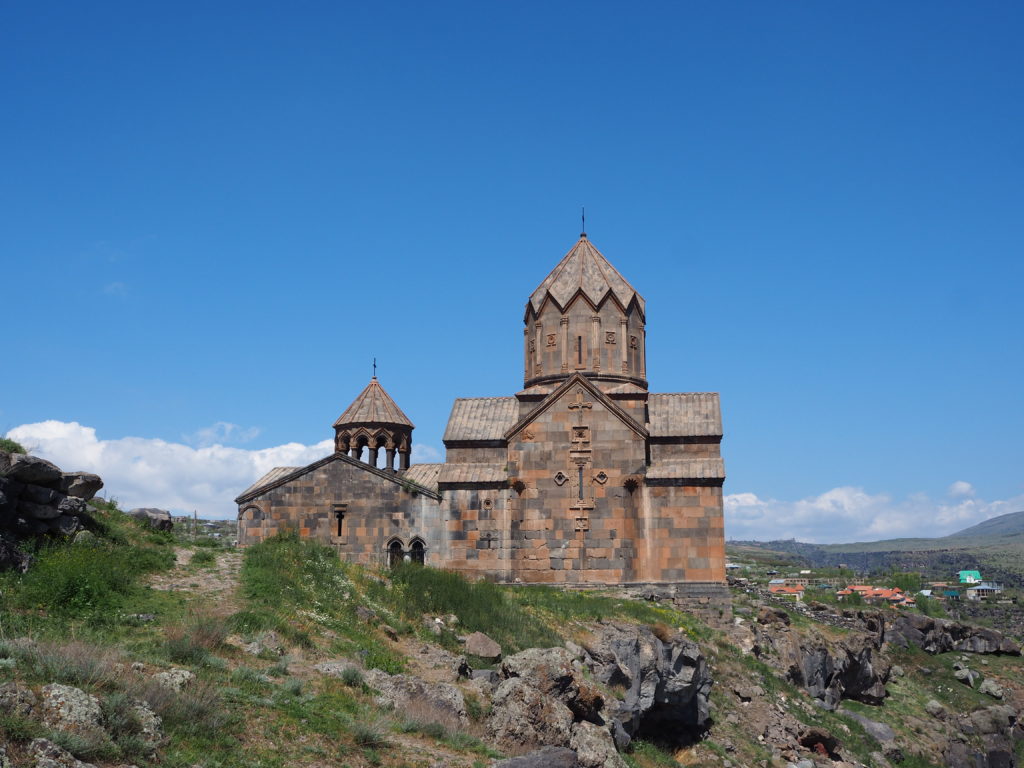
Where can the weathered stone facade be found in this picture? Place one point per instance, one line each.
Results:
(583, 477)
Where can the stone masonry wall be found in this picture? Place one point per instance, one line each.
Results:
(379, 509)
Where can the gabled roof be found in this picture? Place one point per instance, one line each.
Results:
(373, 406)
(684, 414)
(423, 474)
(577, 380)
(475, 419)
(278, 477)
(461, 474)
(268, 479)
(584, 270)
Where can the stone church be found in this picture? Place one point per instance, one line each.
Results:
(582, 477)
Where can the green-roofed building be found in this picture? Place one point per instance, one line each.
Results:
(970, 577)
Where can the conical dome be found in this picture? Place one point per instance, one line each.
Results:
(373, 406)
(584, 269)
(585, 318)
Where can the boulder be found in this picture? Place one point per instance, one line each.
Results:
(33, 470)
(769, 615)
(880, 732)
(551, 671)
(479, 644)
(37, 494)
(418, 700)
(72, 710)
(547, 757)
(991, 688)
(174, 679)
(38, 511)
(995, 719)
(594, 747)
(966, 676)
(150, 724)
(488, 676)
(46, 754)
(17, 700)
(667, 684)
(84, 485)
(66, 525)
(522, 716)
(71, 505)
(942, 635)
(158, 519)
(934, 708)
(12, 558)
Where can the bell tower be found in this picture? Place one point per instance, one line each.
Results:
(585, 318)
(374, 421)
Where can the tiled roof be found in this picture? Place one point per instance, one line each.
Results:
(687, 469)
(684, 414)
(373, 406)
(481, 418)
(423, 474)
(271, 477)
(584, 269)
(473, 473)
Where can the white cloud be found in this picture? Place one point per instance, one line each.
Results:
(851, 514)
(961, 488)
(145, 472)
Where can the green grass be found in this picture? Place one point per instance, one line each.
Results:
(11, 446)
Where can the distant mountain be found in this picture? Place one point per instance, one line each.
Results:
(1004, 525)
(996, 546)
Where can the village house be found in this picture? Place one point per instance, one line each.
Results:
(583, 476)
(970, 577)
(982, 591)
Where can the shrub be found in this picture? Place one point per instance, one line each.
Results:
(192, 641)
(368, 736)
(72, 663)
(196, 710)
(11, 446)
(203, 557)
(15, 728)
(352, 677)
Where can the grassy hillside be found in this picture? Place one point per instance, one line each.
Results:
(109, 616)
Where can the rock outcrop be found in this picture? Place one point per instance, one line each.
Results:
(988, 739)
(666, 683)
(942, 635)
(544, 696)
(157, 519)
(38, 499)
(850, 667)
(418, 700)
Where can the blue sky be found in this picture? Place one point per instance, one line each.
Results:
(212, 219)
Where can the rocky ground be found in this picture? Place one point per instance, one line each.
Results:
(208, 670)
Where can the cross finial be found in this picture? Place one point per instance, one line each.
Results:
(583, 220)
(375, 367)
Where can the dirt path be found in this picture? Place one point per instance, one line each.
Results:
(216, 583)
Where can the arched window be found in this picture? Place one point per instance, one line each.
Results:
(419, 552)
(395, 553)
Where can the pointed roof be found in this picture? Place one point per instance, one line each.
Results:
(373, 406)
(584, 269)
